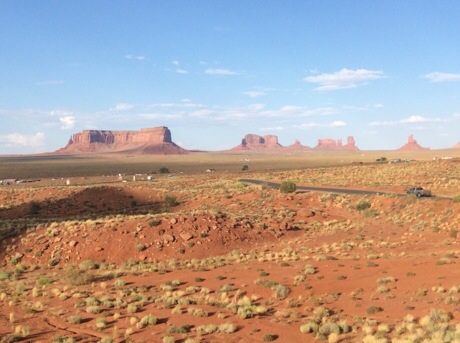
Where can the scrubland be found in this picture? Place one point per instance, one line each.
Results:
(204, 257)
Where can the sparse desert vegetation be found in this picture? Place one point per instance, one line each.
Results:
(204, 257)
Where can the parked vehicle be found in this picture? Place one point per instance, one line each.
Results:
(419, 192)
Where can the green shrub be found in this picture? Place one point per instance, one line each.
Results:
(87, 264)
(179, 329)
(245, 167)
(74, 319)
(43, 281)
(140, 247)
(154, 222)
(171, 200)
(77, 277)
(288, 187)
(363, 205)
(269, 337)
(456, 198)
(4, 275)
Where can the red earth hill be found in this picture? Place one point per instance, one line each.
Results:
(412, 145)
(156, 141)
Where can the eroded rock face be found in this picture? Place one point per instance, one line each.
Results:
(298, 146)
(156, 140)
(252, 141)
(412, 145)
(332, 144)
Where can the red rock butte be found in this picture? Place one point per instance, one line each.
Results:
(412, 145)
(155, 141)
(255, 142)
(332, 144)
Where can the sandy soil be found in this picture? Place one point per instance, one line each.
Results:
(214, 260)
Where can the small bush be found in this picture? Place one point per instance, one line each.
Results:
(245, 167)
(154, 222)
(373, 309)
(363, 205)
(140, 247)
(76, 277)
(456, 198)
(288, 187)
(164, 170)
(4, 275)
(74, 319)
(179, 329)
(269, 337)
(43, 281)
(171, 200)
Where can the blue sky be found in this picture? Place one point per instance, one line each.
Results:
(215, 70)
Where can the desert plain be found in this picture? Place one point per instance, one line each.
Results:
(179, 249)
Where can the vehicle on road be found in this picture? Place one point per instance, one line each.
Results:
(419, 192)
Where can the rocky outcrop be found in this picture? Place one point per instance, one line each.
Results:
(251, 142)
(412, 145)
(456, 146)
(155, 140)
(332, 144)
(298, 146)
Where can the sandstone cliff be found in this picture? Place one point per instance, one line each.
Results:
(332, 144)
(155, 140)
(412, 145)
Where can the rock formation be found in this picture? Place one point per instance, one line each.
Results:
(155, 140)
(456, 146)
(332, 144)
(298, 146)
(412, 145)
(251, 141)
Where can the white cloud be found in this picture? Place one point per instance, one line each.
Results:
(345, 78)
(254, 94)
(415, 119)
(276, 128)
(409, 120)
(17, 139)
(211, 71)
(442, 77)
(175, 62)
(338, 123)
(181, 71)
(123, 106)
(67, 122)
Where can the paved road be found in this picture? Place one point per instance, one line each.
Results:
(320, 189)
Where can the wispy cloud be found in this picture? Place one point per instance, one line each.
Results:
(416, 119)
(18, 139)
(345, 78)
(442, 77)
(181, 71)
(135, 57)
(123, 106)
(212, 71)
(409, 120)
(254, 94)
